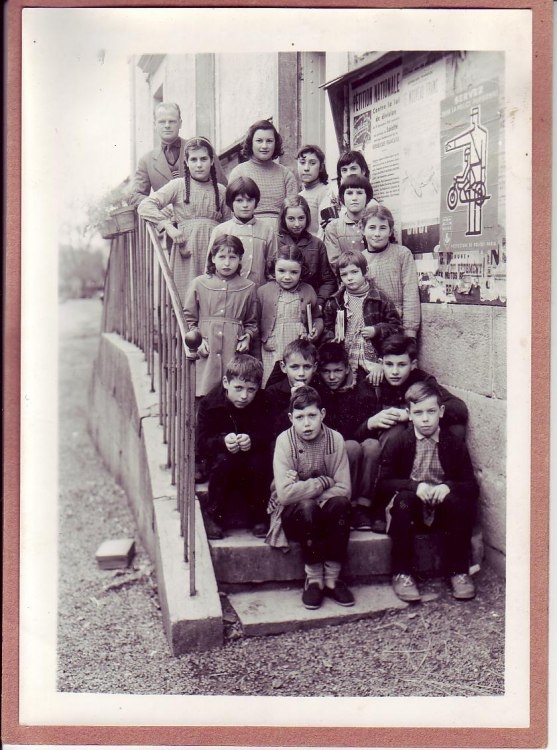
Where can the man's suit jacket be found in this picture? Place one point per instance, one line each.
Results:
(153, 172)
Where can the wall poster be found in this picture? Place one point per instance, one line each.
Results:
(472, 254)
(374, 130)
(422, 90)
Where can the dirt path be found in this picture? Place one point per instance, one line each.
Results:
(110, 628)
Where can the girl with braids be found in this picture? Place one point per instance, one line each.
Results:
(261, 146)
(199, 205)
(283, 305)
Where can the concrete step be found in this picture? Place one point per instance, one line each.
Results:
(240, 558)
(267, 612)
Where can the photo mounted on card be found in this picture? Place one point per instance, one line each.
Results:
(277, 473)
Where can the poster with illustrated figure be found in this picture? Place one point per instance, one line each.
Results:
(472, 257)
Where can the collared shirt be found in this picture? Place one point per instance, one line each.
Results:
(427, 467)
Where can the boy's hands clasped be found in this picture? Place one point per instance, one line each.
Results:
(237, 442)
(432, 494)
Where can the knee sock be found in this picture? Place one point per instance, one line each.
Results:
(332, 572)
(314, 574)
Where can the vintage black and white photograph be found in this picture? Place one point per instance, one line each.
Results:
(269, 461)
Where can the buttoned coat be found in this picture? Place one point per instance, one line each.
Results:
(222, 310)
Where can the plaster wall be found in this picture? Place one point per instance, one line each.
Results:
(142, 114)
(245, 91)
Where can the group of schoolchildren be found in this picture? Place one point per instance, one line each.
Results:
(311, 406)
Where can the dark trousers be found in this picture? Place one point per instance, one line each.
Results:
(322, 532)
(245, 472)
(454, 516)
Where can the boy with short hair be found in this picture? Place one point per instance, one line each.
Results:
(310, 498)
(233, 435)
(298, 366)
(344, 233)
(427, 472)
(257, 236)
(348, 402)
(399, 359)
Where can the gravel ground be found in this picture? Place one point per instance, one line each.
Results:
(110, 631)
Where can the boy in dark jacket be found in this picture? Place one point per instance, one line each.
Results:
(399, 359)
(427, 473)
(234, 436)
(348, 404)
(400, 371)
(297, 367)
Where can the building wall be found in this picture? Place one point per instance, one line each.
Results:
(142, 117)
(464, 346)
(246, 90)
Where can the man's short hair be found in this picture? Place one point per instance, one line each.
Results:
(399, 344)
(420, 391)
(242, 186)
(168, 105)
(302, 347)
(355, 181)
(331, 353)
(304, 396)
(245, 367)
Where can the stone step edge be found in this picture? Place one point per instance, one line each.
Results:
(280, 610)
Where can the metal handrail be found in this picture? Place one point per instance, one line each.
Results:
(143, 305)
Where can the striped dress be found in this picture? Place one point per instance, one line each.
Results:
(275, 183)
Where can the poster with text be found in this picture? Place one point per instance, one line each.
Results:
(420, 170)
(374, 126)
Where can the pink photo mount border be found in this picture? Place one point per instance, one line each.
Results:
(533, 736)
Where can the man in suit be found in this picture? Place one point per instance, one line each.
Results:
(164, 163)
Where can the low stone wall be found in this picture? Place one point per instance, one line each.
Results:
(124, 424)
(464, 346)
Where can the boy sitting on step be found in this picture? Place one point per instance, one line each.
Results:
(427, 473)
(234, 436)
(310, 499)
(348, 403)
(399, 360)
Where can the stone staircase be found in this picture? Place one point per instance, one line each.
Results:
(263, 585)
